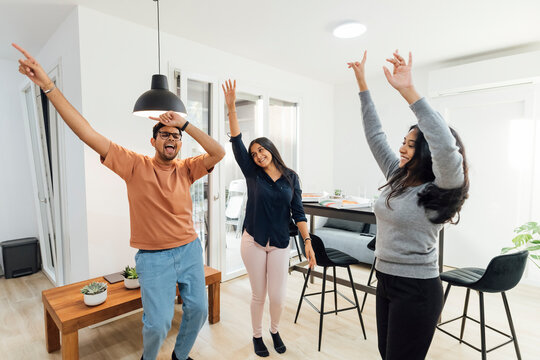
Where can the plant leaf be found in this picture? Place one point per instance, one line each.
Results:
(536, 257)
(522, 239)
(533, 248)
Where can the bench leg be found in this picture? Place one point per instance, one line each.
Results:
(213, 303)
(52, 334)
(70, 345)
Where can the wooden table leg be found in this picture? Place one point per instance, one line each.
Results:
(52, 334)
(70, 345)
(213, 302)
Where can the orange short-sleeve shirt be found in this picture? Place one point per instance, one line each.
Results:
(160, 205)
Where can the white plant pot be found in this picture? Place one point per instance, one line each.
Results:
(131, 283)
(93, 300)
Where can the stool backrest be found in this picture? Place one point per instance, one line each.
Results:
(503, 272)
(293, 229)
(371, 244)
(319, 250)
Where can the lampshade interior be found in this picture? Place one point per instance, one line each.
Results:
(154, 113)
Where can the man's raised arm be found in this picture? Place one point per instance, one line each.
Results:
(80, 126)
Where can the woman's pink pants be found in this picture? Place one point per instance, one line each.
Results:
(267, 268)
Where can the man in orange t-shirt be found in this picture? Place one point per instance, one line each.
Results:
(160, 214)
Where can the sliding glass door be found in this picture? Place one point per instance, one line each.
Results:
(199, 110)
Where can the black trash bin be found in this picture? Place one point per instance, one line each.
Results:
(20, 257)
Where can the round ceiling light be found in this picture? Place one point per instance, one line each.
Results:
(349, 30)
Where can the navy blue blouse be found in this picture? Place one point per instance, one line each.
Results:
(270, 204)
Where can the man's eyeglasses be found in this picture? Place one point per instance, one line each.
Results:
(165, 135)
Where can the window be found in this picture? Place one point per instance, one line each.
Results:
(283, 130)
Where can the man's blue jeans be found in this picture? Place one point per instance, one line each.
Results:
(159, 271)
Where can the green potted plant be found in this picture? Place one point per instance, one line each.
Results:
(95, 293)
(527, 238)
(131, 279)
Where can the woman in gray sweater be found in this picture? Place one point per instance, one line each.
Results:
(426, 187)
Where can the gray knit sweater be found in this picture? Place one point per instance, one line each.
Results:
(406, 239)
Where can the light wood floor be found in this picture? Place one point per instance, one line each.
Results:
(22, 334)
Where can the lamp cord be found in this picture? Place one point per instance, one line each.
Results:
(158, 39)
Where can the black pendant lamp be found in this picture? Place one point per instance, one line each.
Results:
(158, 99)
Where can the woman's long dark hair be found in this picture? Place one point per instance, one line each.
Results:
(276, 157)
(446, 203)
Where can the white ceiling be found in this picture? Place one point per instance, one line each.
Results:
(296, 35)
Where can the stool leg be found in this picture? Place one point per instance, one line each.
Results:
(369, 284)
(335, 290)
(297, 248)
(298, 251)
(464, 315)
(511, 323)
(321, 311)
(302, 295)
(482, 325)
(356, 302)
(446, 292)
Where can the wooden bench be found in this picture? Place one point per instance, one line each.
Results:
(66, 313)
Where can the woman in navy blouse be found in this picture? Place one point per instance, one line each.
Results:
(274, 195)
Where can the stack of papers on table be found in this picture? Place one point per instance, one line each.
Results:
(347, 203)
(314, 197)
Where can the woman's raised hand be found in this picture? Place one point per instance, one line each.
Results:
(359, 69)
(400, 78)
(31, 68)
(229, 90)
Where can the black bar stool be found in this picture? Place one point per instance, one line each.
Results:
(329, 258)
(502, 274)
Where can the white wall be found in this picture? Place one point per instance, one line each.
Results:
(117, 61)
(63, 46)
(17, 208)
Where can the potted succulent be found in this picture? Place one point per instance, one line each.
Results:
(527, 238)
(131, 279)
(95, 293)
(338, 194)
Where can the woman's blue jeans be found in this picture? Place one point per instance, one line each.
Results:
(159, 271)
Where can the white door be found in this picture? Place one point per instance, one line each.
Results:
(42, 135)
(500, 135)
